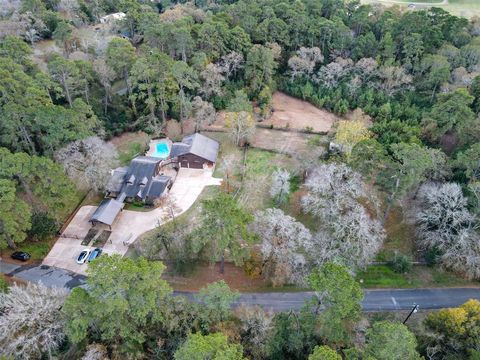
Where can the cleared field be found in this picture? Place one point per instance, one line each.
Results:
(465, 8)
(293, 113)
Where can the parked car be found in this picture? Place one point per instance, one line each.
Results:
(20, 255)
(95, 254)
(83, 257)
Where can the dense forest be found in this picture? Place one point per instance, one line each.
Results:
(409, 84)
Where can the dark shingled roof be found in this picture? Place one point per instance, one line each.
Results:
(138, 179)
(157, 186)
(196, 144)
(116, 181)
(107, 211)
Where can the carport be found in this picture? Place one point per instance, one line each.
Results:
(107, 212)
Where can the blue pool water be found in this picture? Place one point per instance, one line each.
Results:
(161, 150)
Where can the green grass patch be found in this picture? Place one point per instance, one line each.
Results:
(382, 276)
(134, 149)
(38, 250)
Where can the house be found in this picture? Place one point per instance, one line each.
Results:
(195, 151)
(142, 181)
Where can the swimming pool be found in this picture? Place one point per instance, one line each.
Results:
(161, 150)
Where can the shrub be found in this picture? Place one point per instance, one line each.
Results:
(401, 263)
(432, 256)
(43, 226)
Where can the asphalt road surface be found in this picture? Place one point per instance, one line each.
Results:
(375, 300)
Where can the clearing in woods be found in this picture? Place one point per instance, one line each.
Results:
(295, 114)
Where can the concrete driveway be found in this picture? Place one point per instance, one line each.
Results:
(129, 225)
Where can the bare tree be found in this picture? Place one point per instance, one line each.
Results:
(105, 75)
(256, 325)
(350, 233)
(88, 162)
(212, 79)
(229, 166)
(330, 75)
(280, 188)
(31, 323)
(95, 352)
(444, 223)
(304, 62)
(393, 79)
(231, 63)
(203, 113)
(283, 247)
(241, 126)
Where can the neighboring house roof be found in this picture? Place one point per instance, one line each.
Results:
(196, 144)
(107, 211)
(116, 181)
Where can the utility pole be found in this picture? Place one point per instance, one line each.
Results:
(414, 310)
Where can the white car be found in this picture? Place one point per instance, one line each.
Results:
(83, 257)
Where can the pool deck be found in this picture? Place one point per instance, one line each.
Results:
(153, 144)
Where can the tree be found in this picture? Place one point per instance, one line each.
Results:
(324, 353)
(241, 126)
(120, 57)
(351, 232)
(67, 74)
(14, 216)
(293, 336)
(41, 180)
(455, 331)
(256, 325)
(468, 161)
(63, 36)
(436, 71)
(231, 63)
(212, 79)
(203, 113)
(187, 80)
(280, 188)
(304, 62)
(452, 114)
(224, 226)
(31, 325)
(216, 299)
(393, 80)
(285, 245)
(124, 300)
(259, 68)
(152, 77)
(445, 224)
(339, 296)
(209, 347)
(240, 103)
(106, 75)
(349, 133)
(88, 162)
(388, 340)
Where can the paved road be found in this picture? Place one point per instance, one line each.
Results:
(375, 300)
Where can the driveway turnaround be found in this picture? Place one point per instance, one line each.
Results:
(129, 225)
(375, 300)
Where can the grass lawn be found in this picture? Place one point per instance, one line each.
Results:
(130, 145)
(465, 8)
(382, 276)
(37, 249)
